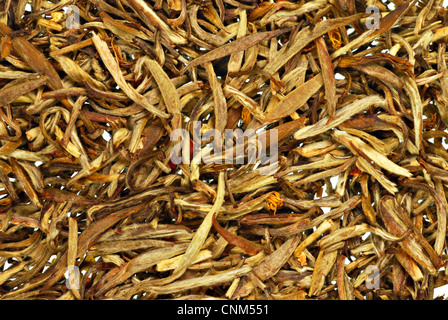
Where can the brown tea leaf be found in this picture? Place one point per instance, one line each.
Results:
(272, 264)
(390, 214)
(114, 69)
(312, 138)
(240, 44)
(327, 75)
(11, 93)
(248, 246)
(219, 101)
(34, 58)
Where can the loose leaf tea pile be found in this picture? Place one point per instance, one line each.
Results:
(355, 99)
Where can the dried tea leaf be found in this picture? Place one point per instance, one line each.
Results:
(240, 44)
(342, 167)
(324, 263)
(153, 21)
(272, 264)
(247, 245)
(295, 99)
(328, 76)
(341, 115)
(201, 234)
(206, 281)
(11, 93)
(76, 73)
(219, 100)
(166, 87)
(115, 71)
(33, 57)
(389, 212)
(361, 149)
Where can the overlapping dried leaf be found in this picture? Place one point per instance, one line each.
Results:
(89, 194)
